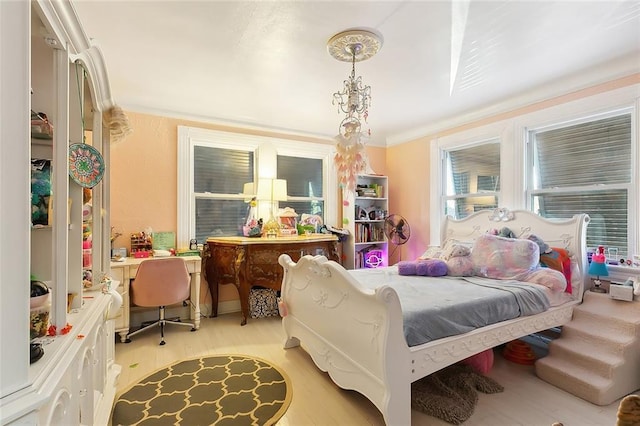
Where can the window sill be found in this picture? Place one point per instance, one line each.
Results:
(619, 273)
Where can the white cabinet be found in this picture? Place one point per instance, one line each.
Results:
(363, 215)
(42, 47)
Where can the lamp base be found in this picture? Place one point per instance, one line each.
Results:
(597, 286)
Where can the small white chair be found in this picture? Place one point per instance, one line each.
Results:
(160, 282)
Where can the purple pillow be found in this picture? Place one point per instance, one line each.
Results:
(432, 268)
(407, 267)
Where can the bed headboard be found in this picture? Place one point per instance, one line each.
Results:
(569, 234)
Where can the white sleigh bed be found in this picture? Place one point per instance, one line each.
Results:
(356, 334)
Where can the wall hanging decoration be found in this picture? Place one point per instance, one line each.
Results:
(86, 165)
(118, 124)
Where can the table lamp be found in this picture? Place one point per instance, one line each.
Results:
(273, 190)
(598, 268)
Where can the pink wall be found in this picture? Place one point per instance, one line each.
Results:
(408, 171)
(144, 179)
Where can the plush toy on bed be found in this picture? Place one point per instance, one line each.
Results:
(506, 233)
(424, 267)
(458, 259)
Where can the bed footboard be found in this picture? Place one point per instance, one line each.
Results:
(322, 302)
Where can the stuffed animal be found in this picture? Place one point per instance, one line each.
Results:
(544, 247)
(506, 233)
(629, 411)
(455, 250)
(459, 262)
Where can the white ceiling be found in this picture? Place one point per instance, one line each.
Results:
(265, 63)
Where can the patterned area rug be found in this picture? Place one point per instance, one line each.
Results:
(451, 393)
(218, 390)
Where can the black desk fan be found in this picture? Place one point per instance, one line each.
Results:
(397, 230)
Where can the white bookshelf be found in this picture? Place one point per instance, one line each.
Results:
(363, 215)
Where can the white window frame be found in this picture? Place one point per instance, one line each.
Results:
(513, 133)
(266, 151)
(473, 137)
(595, 107)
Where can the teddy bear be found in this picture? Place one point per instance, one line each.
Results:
(458, 260)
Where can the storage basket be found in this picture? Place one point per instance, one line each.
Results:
(263, 302)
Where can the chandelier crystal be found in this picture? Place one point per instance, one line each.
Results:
(354, 99)
(351, 159)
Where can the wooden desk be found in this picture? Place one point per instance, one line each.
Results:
(247, 262)
(126, 271)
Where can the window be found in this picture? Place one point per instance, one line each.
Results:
(305, 183)
(582, 156)
(213, 167)
(585, 167)
(219, 175)
(471, 178)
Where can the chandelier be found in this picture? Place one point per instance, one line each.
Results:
(354, 99)
(352, 46)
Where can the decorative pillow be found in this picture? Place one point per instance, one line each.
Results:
(547, 277)
(455, 250)
(407, 267)
(503, 258)
(426, 267)
(433, 252)
(559, 260)
(460, 266)
(437, 252)
(431, 268)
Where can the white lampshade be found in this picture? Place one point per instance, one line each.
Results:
(272, 190)
(248, 189)
(249, 192)
(279, 190)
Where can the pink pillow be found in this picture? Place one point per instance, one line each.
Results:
(504, 258)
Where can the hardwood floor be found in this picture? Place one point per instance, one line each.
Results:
(526, 401)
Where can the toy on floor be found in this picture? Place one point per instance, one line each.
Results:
(629, 411)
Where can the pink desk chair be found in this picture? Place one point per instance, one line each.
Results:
(161, 282)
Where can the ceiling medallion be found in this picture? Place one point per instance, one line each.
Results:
(364, 43)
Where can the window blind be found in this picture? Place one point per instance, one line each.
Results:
(586, 167)
(220, 170)
(219, 176)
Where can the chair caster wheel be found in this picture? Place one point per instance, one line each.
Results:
(193, 329)
(128, 341)
(163, 343)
